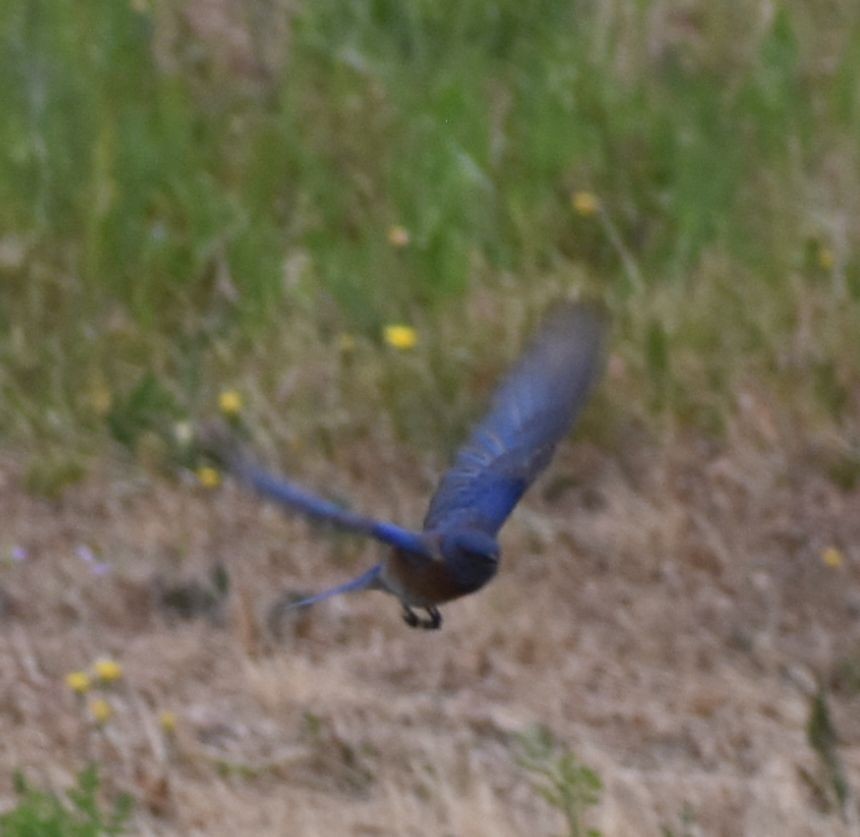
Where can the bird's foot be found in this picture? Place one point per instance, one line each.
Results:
(411, 618)
(435, 620)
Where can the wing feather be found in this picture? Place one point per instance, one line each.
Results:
(531, 411)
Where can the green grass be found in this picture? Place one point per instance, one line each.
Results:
(77, 813)
(172, 216)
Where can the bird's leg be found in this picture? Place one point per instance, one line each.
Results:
(410, 617)
(435, 620)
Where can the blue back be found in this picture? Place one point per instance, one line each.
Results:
(531, 411)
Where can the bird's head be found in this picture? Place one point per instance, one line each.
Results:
(472, 556)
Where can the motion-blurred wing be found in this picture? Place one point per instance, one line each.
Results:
(324, 511)
(366, 581)
(531, 411)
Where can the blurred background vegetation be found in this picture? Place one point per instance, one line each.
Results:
(206, 194)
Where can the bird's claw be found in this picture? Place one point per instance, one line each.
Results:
(435, 620)
(411, 618)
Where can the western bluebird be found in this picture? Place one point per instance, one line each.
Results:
(456, 552)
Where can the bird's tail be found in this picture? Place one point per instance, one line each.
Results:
(371, 580)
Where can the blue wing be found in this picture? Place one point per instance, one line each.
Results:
(530, 413)
(324, 511)
(367, 581)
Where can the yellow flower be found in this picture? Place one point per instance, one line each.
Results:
(78, 682)
(208, 477)
(230, 402)
(107, 670)
(400, 336)
(585, 203)
(825, 258)
(398, 236)
(100, 710)
(832, 556)
(167, 721)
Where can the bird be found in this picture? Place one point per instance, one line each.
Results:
(456, 552)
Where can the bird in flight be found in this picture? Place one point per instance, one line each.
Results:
(456, 552)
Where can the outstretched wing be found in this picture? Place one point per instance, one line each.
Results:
(221, 444)
(367, 581)
(531, 411)
(324, 511)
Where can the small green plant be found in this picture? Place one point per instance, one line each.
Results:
(560, 778)
(78, 813)
(822, 737)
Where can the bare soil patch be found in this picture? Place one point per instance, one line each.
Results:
(668, 615)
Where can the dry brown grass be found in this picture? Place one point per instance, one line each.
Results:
(667, 617)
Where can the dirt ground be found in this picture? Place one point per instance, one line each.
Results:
(668, 615)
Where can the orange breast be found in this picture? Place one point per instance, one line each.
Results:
(420, 582)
